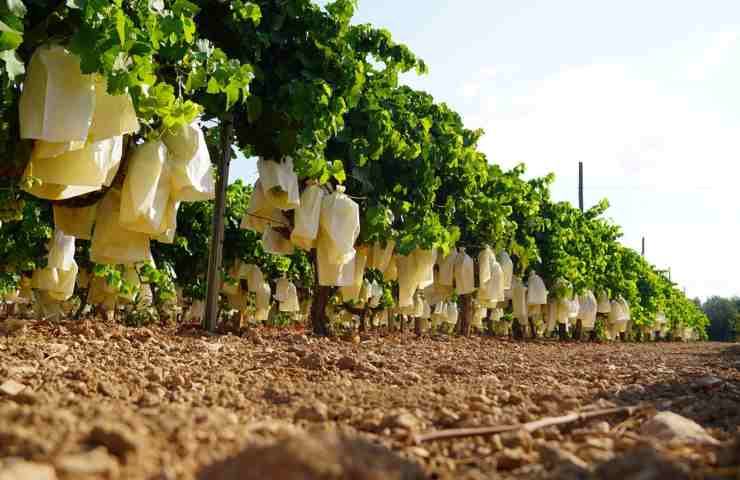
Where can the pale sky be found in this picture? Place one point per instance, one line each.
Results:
(645, 93)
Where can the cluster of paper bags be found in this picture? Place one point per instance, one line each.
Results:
(285, 292)
(78, 130)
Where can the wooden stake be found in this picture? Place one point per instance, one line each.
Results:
(217, 236)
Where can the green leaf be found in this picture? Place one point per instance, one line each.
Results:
(121, 26)
(213, 86)
(185, 7)
(9, 40)
(196, 80)
(248, 11)
(232, 95)
(337, 171)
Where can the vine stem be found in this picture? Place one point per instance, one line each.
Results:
(529, 426)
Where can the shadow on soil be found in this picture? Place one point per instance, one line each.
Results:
(711, 400)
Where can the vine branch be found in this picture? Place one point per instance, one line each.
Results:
(529, 426)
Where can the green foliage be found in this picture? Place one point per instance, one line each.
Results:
(310, 66)
(23, 242)
(303, 81)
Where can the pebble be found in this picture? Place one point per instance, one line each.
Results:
(670, 426)
(312, 361)
(93, 462)
(118, 439)
(11, 388)
(27, 471)
(313, 412)
(347, 363)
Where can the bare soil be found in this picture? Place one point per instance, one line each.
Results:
(95, 400)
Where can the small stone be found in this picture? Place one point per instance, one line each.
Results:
(107, 389)
(449, 369)
(601, 427)
(596, 456)
(403, 420)
(411, 377)
(347, 413)
(511, 459)
(298, 338)
(673, 427)
(57, 349)
(119, 440)
(314, 412)
(369, 367)
(553, 457)
(419, 452)
(447, 417)
(94, 462)
(213, 347)
(277, 396)
(26, 397)
(312, 361)
(520, 439)
(480, 398)
(515, 399)
(11, 388)
(27, 471)
(23, 370)
(155, 374)
(326, 455)
(375, 359)
(347, 363)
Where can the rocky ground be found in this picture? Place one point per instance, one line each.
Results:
(91, 400)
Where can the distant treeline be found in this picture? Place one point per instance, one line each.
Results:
(724, 318)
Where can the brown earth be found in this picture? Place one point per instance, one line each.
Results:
(92, 400)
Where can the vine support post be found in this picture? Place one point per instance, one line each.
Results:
(318, 311)
(466, 316)
(490, 330)
(532, 328)
(562, 332)
(578, 330)
(217, 237)
(517, 329)
(363, 319)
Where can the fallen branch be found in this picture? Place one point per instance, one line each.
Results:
(529, 426)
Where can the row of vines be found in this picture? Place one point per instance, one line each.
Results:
(374, 205)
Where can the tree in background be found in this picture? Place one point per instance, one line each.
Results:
(724, 318)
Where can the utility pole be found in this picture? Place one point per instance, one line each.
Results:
(580, 186)
(643, 246)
